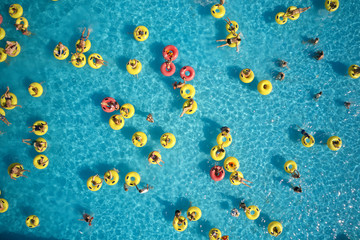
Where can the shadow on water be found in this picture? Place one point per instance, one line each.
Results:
(204, 227)
(128, 28)
(339, 102)
(102, 168)
(318, 4)
(278, 161)
(235, 201)
(50, 47)
(205, 165)
(321, 137)
(141, 113)
(156, 132)
(16, 236)
(85, 172)
(182, 204)
(221, 32)
(146, 150)
(233, 72)
(9, 159)
(263, 220)
(204, 11)
(342, 236)
(293, 133)
(27, 81)
(211, 130)
(79, 209)
(121, 63)
(31, 120)
(225, 205)
(128, 132)
(27, 210)
(339, 68)
(123, 169)
(269, 16)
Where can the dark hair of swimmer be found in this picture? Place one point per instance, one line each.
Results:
(177, 213)
(297, 189)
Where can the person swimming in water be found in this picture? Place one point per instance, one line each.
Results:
(144, 190)
(280, 76)
(3, 118)
(87, 218)
(16, 170)
(283, 63)
(83, 40)
(347, 105)
(312, 41)
(317, 96)
(40, 128)
(234, 212)
(8, 99)
(185, 109)
(243, 206)
(126, 187)
(319, 55)
(222, 2)
(295, 174)
(150, 118)
(179, 84)
(236, 39)
(297, 189)
(291, 13)
(152, 157)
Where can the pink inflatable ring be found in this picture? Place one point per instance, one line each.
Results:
(215, 177)
(166, 71)
(109, 105)
(183, 72)
(170, 53)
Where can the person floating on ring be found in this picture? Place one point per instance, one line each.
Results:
(236, 39)
(38, 145)
(154, 158)
(3, 118)
(280, 76)
(291, 13)
(185, 109)
(16, 170)
(38, 127)
(8, 99)
(11, 47)
(241, 180)
(225, 131)
(83, 39)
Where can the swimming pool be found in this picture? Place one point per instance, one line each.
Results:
(265, 136)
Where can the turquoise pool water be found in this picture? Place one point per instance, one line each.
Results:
(265, 136)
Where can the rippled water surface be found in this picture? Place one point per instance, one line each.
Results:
(265, 136)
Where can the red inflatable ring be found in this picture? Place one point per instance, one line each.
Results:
(183, 72)
(167, 72)
(170, 53)
(217, 177)
(109, 104)
(1, 19)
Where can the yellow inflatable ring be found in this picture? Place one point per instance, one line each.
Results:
(13, 101)
(30, 224)
(18, 13)
(279, 16)
(252, 212)
(156, 154)
(195, 210)
(235, 24)
(193, 109)
(264, 87)
(248, 79)
(136, 70)
(41, 123)
(91, 186)
(213, 153)
(115, 177)
(37, 164)
(132, 179)
(39, 88)
(24, 20)
(274, 225)
(187, 91)
(172, 139)
(3, 55)
(350, 71)
(2, 33)
(2, 112)
(5, 204)
(296, 16)
(220, 140)
(232, 45)
(231, 164)
(87, 46)
(113, 125)
(331, 143)
(308, 142)
(130, 108)
(328, 7)
(233, 181)
(182, 226)
(63, 56)
(290, 166)
(82, 61)
(141, 38)
(214, 230)
(18, 165)
(17, 51)
(217, 11)
(91, 59)
(143, 140)
(41, 140)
